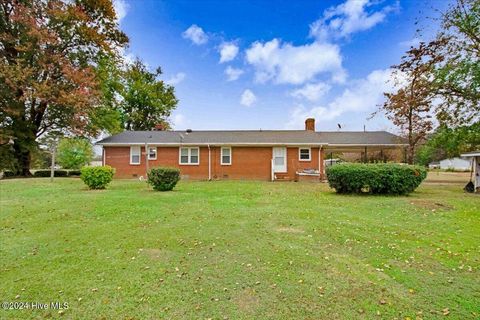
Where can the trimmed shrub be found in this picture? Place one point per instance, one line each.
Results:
(8, 174)
(163, 179)
(384, 178)
(46, 173)
(97, 177)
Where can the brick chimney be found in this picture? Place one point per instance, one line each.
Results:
(310, 124)
(160, 127)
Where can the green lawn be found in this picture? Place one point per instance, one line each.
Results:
(238, 250)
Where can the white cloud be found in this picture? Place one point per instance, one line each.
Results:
(121, 8)
(286, 63)
(228, 51)
(311, 91)
(176, 79)
(195, 34)
(410, 43)
(179, 121)
(233, 73)
(248, 98)
(361, 96)
(347, 18)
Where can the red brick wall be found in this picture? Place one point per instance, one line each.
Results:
(247, 163)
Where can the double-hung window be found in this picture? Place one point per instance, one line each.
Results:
(134, 155)
(152, 153)
(189, 155)
(226, 156)
(304, 154)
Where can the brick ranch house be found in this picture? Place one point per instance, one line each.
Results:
(245, 154)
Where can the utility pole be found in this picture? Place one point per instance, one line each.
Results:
(52, 167)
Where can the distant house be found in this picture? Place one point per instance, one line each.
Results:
(242, 154)
(455, 164)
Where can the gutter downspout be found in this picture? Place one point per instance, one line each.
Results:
(320, 162)
(209, 163)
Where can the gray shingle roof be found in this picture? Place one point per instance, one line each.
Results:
(247, 137)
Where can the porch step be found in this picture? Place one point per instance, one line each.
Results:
(282, 177)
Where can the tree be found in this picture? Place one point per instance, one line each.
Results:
(456, 79)
(448, 142)
(147, 101)
(48, 52)
(74, 153)
(409, 107)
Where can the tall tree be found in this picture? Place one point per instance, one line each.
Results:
(457, 78)
(48, 51)
(409, 107)
(74, 153)
(146, 100)
(448, 142)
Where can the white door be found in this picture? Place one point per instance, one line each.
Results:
(280, 159)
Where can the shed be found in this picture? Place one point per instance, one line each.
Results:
(475, 158)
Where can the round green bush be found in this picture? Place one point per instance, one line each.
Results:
(383, 178)
(163, 179)
(97, 177)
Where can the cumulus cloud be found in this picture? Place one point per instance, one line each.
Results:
(233, 73)
(176, 79)
(349, 17)
(410, 43)
(311, 91)
(195, 34)
(228, 51)
(121, 8)
(360, 96)
(248, 98)
(179, 121)
(285, 63)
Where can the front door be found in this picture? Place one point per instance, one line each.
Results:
(280, 159)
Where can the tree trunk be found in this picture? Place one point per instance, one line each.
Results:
(23, 156)
(411, 154)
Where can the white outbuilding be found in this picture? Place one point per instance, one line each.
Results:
(457, 164)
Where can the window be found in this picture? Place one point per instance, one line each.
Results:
(152, 153)
(189, 156)
(134, 155)
(226, 156)
(304, 154)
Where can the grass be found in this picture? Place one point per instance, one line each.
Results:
(238, 250)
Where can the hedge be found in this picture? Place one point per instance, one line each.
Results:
(9, 174)
(47, 173)
(163, 179)
(97, 177)
(57, 173)
(375, 178)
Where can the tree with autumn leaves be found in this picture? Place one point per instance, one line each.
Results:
(437, 83)
(57, 59)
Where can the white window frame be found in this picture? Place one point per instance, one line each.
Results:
(189, 156)
(309, 154)
(155, 148)
(139, 155)
(221, 156)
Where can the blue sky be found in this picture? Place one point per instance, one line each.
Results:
(269, 65)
